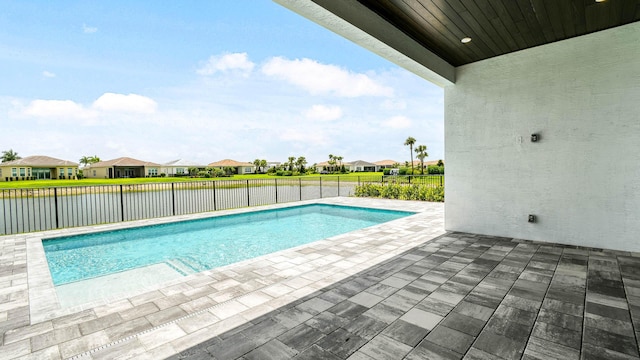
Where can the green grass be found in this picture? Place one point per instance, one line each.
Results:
(30, 184)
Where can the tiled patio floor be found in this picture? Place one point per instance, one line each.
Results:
(405, 289)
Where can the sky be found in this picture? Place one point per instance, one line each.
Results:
(201, 81)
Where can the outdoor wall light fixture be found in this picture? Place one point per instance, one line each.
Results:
(532, 218)
(535, 137)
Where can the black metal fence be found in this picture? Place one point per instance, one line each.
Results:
(37, 209)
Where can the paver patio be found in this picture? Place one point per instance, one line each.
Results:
(405, 289)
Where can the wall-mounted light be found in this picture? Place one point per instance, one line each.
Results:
(465, 40)
(535, 137)
(531, 218)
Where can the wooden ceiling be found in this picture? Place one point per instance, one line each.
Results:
(498, 27)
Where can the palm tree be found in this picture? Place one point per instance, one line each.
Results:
(263, 164)
(292, 160)
(332, 162)
(94, 159)
(410, 141)
(257, 163)
(301, 162)
(10, 155)
(85, 160)
(421, 153)
(339, 159)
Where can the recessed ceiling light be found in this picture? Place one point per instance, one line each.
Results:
(600, 0)
(465, 40)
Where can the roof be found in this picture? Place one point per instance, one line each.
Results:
(430, 162)
(182, 162)
(229, 162)
(123, 161)
(430, 33)
(39, 160)
(386, 162)
(361, 163)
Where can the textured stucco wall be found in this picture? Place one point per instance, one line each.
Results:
(582, 179)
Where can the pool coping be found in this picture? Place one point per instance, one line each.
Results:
(43, 298)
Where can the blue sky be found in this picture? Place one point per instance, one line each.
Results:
(202, 81)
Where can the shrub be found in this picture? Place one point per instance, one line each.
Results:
(386, 171)
(401, 191)
(204, 174)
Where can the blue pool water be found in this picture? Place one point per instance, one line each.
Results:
(199, 245)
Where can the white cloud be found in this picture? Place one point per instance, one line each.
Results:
(226, 63)
(57, 109)
(306, 137)
(131, 103)
(393, 104)
(324, 79)
(323, 113)
(48, 74)
(397, 122)
(89, 29)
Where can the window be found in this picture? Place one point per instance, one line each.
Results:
(61, 173)
(179, 170)
(94, 173)
(153, 172)
(0, 173)
(247, 170)
(29, 172)
(22, 172)
(14, 172)
(70, 171)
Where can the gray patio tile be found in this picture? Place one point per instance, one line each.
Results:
(615, 342)
(384, 313)
(293, 317)
(365, 326)
(232, 347)
(463, 323)
(473, 310)
(316, 353)
(450, 339)
(405, 332)
(424, 319)
(592, 352)
(127, 328)
(435, 306)
(274, 349)
(546, 350)
(326, 322)
(341, 343)
(100, 323)
(139, 311)
(382, 347)
(166, 315)
(560, 319)
(608, 311)
(500, 345)
(431, 351)
(560, 306)
(366, 299)
(562, 336)
(301, 337)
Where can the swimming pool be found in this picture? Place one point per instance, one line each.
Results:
(197, 245)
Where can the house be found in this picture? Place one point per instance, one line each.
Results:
(385, 164)
(123, 167)
(238, 167)
(180, 167)
(537, 98)
(360, 166)
(38, 167)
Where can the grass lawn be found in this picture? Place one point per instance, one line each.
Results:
(29, 184)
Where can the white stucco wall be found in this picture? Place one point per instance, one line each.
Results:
(582, 179)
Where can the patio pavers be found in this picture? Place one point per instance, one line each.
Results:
(404, 290)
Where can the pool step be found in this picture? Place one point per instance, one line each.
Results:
(185, 265)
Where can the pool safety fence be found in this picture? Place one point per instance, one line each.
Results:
(38, 209)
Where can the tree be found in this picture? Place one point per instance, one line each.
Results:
(263, 164)
(291, 162)
(331, 162)
(440, 163)
(339, 159)
(421, 153)
(258, 164)
(10, 155)
(409, 142)
(300, 163)
(86, 160)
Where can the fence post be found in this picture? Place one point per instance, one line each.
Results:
(320, 188)
(338, 185)
(441, 180)
(173, 199)
(276, 182)
(121, 205)
(300, 186)
(55, 202)
(358, 180)
(215, 207)
(248, 197)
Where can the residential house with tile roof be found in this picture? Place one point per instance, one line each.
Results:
(238, 166)
(123, 167)
(38, 167)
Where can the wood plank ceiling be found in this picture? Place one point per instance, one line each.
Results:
(498, 27)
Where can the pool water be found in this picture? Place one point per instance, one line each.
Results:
(198, 245)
